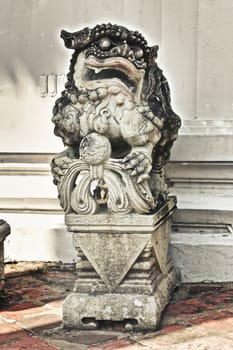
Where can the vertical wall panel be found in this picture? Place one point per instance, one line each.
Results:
(145, 16)
(179, 51)
(215, 60)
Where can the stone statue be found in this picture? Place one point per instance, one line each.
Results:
(114, 116)
(117, 124)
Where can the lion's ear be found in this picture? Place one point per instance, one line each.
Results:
(77, 40)
(154, 52)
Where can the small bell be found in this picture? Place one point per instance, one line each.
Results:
(101, 192)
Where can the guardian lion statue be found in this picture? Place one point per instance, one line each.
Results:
(115, 90)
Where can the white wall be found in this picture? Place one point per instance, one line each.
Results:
(196, 54)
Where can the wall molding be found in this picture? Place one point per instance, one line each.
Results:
(176, 169)
(30, 205)
(199, 172)
(198, 147)
(214, 222)
(199, 178)
(204, 127)
(26, 157)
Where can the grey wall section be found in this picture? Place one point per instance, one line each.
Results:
(196, 54)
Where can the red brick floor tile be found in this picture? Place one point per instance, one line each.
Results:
(224, 297)
(114, 345)
(172, 328)
(37, 292)
(32, 305)
(21, 310)
(30, 343)
(41, 321)
(56, 304)
(23, 268)
(20, 307)
(81, 337)
(222, 325)
(10, 332)
(217, 316)
(188, 307)
(10, 337)
(9, 298)
(6, 328)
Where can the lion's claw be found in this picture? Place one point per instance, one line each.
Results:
(59, 165)
(138, 164)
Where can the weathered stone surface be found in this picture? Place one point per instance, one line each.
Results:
(138, 311)
(125, 276)
(119, 223)
(111, 255)
(116, 121)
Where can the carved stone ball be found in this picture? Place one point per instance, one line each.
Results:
(95, 149)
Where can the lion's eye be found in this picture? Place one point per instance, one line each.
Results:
(105, 43)
(138, 53)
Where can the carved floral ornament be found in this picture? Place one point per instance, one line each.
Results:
(116, 122)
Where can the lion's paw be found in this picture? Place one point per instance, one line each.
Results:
(138, 164)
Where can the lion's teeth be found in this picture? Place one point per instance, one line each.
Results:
(97, 70)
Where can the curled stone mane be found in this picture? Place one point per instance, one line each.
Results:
(155, 92)
(81, 39)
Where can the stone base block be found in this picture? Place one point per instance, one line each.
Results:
(136, 311)
(124, 270)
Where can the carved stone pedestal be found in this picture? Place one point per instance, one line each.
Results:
(4, 231)
(117, 124)
(124, 273)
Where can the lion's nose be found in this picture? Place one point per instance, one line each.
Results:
(122, 50)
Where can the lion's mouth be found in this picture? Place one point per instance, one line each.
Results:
(95, 74)
(109, 71)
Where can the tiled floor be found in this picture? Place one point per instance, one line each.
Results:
(200, 316)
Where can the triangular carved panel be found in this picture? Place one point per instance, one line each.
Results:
(112, 255)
